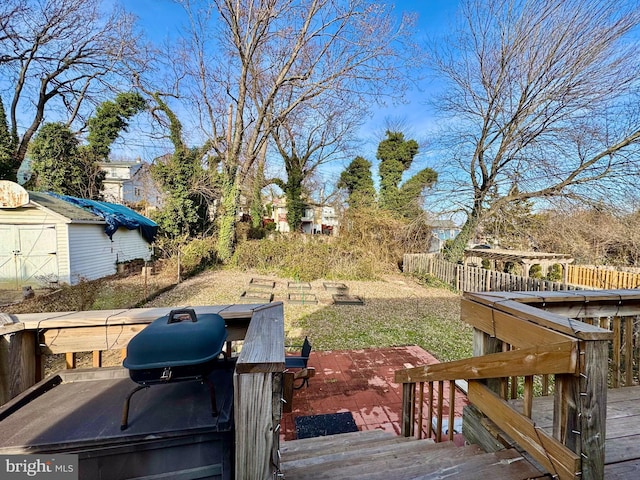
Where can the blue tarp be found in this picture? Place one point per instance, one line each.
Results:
(115, 215)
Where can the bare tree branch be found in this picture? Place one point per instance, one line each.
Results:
(535, 99)
(65, 50)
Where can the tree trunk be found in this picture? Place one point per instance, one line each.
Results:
(455, 252)
(227, 220)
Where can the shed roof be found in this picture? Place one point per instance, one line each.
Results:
(114, 215)
(66, 209)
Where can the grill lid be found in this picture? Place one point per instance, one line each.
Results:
(178, 339)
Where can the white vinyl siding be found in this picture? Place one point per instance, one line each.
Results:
(80, 250)
(92, 253)
(129, 245)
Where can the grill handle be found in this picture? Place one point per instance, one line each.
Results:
(178, 315)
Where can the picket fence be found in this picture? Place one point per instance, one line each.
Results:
(476, 279)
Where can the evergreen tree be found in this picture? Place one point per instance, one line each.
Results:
(55, 161)
(6, 146)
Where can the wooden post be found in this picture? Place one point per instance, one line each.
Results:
(408, 408)
(593, 400)
(484, 344)
(253, 413)
(17, 364)
(257, 384)
(580, 409)
(287, 391)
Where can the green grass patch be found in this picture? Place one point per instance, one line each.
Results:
(385, 323)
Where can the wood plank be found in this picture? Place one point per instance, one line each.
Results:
(539, 317)
(551, 454)
(623, 471)
(253, 413)
(339, 443)
(573, 304)
(112, 336)
(558, 358)
(263, 348)
(592, 413)
(365, 453)
(34, 321)
(621, 449)
(364, 461)
(84, 339)
(304, 447)
(17, 364)
(516, 331)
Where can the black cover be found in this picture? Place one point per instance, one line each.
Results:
(179, 346)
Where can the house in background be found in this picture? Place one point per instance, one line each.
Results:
(316, 219)
(49, 239)
(131, 184)
(441, 231)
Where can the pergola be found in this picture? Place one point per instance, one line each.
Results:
(525, 259)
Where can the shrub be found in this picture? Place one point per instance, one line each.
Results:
(305, 258)
(198, 254)
(535, 271)
(555, 273)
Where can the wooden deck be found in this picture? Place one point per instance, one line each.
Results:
(172, 432)
(622, 445)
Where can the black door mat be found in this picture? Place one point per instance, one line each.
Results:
(327, 424)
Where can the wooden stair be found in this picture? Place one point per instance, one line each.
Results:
(378, 455)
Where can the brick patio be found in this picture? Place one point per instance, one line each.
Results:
(360, 381)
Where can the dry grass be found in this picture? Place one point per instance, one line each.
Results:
(397, 311)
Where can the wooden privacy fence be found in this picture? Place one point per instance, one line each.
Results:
(475, 279)
(604, 278)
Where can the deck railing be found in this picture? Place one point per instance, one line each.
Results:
(571, 344)
(27, 339)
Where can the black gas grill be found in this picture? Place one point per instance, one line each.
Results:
(180, 346)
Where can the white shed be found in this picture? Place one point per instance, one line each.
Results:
(49, 239)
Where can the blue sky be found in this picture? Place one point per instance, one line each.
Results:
(162, 18)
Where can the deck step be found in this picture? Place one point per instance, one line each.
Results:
(371, 456)
(305, 448)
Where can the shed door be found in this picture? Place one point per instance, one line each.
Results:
(29, 254)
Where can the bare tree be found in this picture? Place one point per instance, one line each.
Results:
(315, 134)
(54, 56)
(255, 62)
(537, 101)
